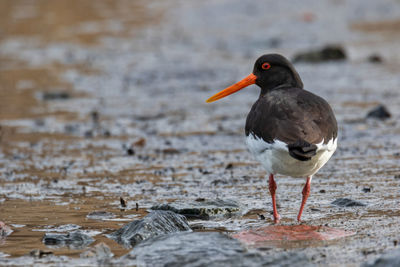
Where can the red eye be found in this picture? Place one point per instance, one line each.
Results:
(265, 66)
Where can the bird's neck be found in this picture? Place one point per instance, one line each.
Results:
(281, 86)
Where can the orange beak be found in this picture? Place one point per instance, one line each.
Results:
(251, 79)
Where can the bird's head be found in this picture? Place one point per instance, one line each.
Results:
(270, 71)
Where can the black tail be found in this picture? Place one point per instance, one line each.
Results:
(302, 150)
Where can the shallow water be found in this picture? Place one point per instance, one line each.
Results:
(130, 118)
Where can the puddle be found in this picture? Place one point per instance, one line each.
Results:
(35, 218)
(287, 236)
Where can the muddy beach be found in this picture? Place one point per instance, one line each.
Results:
(104, 132)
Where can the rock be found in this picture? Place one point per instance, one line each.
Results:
(229, 166)
(168, 151)
(346, 202)
(375, 58)
(379, 112)
(38, 254)
(327, 53)
(204, 209)
(389, 259)
(100, 215)
(100, 251)
(4, 230)
(204, 249)
(130, 151)
(74, 240)
(154, 224)
(55, 96)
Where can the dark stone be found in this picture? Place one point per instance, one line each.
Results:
(229, 166)
(55, 96)
(40, 122)
(389, 259)
(106, 133)
(88, 134)
(205, 249)
(327, 53)
(366, 189)
(375, 58)
(262, 217)
(38, 254)
(379, 112)
(170, 151)
(154, 224)
(71, 129)
(95, 117)
(346, 202)
(74, 240)
(204, 210)
(123, 202)
(130, 151)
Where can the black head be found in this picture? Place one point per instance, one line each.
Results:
(270, 72)
(274, 70)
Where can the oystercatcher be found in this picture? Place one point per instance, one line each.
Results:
(289, 130)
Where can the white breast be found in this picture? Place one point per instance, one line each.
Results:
(275, 157)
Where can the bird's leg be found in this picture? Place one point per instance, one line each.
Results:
(306, 193)
(272, 189)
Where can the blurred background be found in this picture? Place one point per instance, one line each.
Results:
(106, 99)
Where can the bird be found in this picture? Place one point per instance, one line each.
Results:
(289, 130)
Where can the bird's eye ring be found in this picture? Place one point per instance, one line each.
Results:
(265, 66)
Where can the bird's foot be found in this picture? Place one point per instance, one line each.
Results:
(277, 218)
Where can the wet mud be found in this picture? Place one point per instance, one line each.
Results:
(103, 116)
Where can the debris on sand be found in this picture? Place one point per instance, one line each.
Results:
(140, 143)
(347, 202)
(4, 230)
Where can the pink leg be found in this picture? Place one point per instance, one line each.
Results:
(306, 193)
(272, 189)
